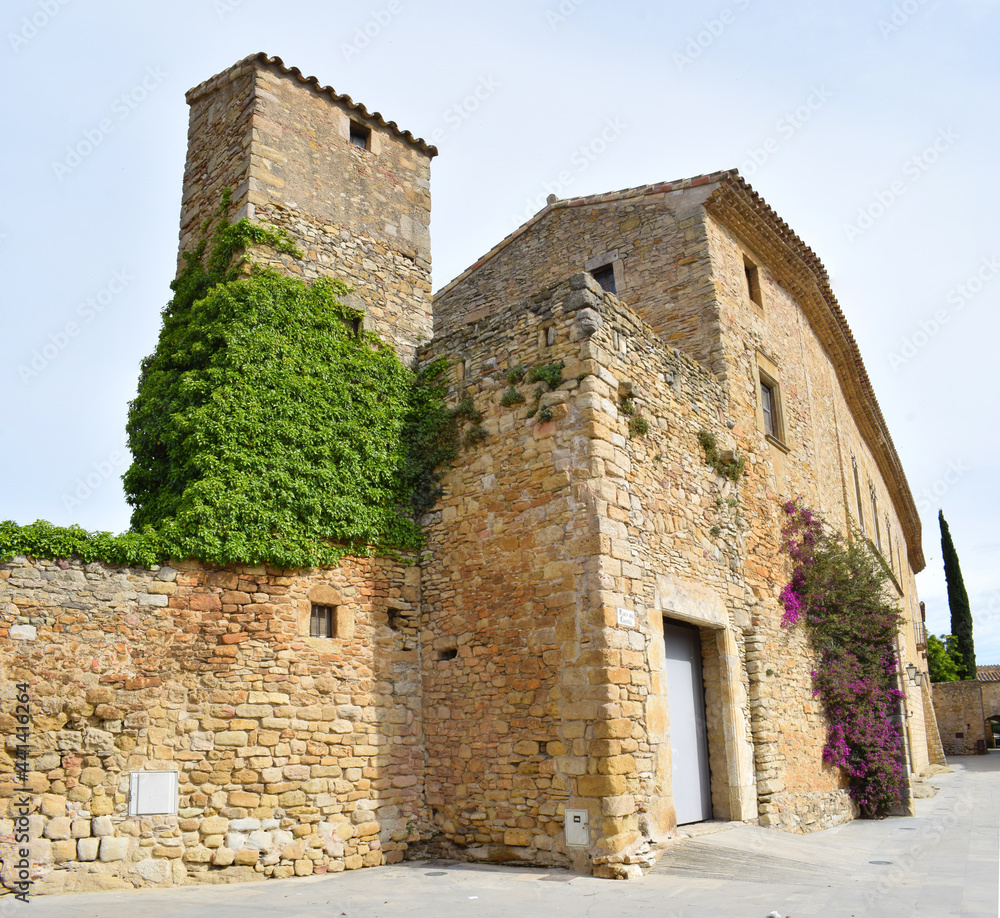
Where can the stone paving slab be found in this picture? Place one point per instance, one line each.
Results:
(939, 864)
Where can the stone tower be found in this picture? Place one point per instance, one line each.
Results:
(352, 188)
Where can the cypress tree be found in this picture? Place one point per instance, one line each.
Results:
(958, 602)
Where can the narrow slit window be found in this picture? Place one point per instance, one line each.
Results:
(322, 622)
(360, 136)
(857, 491)
(752, 273)
(605, 276)
(888, 543)
(875, 526)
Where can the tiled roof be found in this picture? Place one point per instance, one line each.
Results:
(376, 117)
(989, 673)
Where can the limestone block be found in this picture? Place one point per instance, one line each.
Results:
(224, 857)
(92, 777)
(202, 741)
(260, 840)
(248, 824)
(80, 828)
(100, 694)
(23, 633)
(324, 595)
(64, 850)
(601, 785)
(518, 838)
(153, 871)
(168, 851)
(53, 805)
(102, 806)
(231, 738)
(247, 857)
(113, 849)
(99, 742)
(57, 828)
(86, 849)
(304, 868)
(198, 854)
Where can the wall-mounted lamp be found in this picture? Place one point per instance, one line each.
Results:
(915, 676)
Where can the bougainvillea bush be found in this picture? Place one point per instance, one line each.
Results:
(838, 592)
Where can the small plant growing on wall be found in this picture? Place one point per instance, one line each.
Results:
(728, 468)
(548, 373)
(512, 397)
(638, 426)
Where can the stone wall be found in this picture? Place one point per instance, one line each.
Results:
(819, 439)
(295, 755)
(545, 532)
(960, 716)
(654, 240)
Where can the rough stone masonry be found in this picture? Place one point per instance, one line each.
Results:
(515, 674)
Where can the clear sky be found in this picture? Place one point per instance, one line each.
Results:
(870, 127)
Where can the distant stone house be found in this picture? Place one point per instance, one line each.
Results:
(589, 651)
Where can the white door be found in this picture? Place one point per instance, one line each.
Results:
(688, 741)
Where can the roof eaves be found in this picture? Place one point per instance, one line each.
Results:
(313, 82)
(854, 378)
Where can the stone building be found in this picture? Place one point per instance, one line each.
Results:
(588, 652)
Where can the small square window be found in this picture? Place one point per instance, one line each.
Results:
(361, 136)
(605, 276)
(322, 622)
(752, 274)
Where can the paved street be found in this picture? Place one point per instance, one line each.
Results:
(942, 863)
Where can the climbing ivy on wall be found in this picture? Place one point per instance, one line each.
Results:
(267, 425)
(838, 592)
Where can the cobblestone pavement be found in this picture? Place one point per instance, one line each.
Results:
(942, 863)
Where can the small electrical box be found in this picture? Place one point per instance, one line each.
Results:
(152, 793)
(577, 828)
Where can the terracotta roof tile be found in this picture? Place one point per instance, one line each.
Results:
(276, 62)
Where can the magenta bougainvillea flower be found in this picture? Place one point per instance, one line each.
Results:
(837, 589)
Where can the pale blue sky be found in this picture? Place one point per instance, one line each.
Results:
(884, 108)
